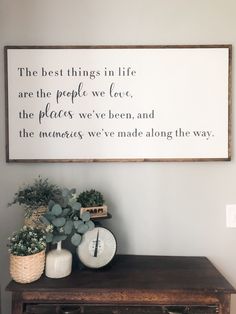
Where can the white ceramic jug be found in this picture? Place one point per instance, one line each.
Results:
(58, 262)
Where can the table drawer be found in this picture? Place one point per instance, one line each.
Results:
(81, 309)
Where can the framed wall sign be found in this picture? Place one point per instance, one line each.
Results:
(117, 103)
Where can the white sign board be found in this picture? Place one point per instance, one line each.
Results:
(145, 103)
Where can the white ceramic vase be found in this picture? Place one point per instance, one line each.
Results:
(58, 262)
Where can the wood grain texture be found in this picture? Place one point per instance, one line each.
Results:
(134, 281)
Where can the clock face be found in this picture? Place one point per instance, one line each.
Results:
(97, 247)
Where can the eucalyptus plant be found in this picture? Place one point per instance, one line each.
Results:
(62, 220)
(91, 198)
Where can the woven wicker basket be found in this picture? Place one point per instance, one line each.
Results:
(25, 269)
(34, 219)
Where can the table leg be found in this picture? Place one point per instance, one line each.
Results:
(224, 304)
(17, 303)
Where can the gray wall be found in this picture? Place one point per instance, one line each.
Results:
(158, 208)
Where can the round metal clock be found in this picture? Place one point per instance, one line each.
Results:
(97, 248)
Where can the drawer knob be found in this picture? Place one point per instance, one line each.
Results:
(69, 310)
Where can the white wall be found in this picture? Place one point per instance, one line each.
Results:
(158, 208)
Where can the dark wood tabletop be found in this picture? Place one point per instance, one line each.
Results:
(155, 273)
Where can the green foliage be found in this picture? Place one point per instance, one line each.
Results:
(27, 241)
(37, 194)
(76, 239)
(63, 219)
(91, 198)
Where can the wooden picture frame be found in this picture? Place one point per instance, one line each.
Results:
(118, 103)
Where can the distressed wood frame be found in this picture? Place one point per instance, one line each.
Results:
(225, 158)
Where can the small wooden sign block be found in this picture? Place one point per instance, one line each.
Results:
(95, 212)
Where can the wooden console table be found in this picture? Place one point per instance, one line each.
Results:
(132, 284)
